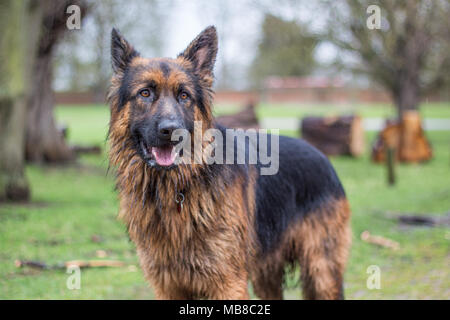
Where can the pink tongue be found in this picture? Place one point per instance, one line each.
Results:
(163, 156)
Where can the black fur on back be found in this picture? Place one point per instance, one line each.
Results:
(305, 182)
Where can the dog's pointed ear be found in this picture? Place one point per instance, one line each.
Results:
(202, 52)
(121, 52)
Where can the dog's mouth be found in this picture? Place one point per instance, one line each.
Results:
(163, 156)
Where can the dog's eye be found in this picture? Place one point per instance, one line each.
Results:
(145, 93)
(184, 95)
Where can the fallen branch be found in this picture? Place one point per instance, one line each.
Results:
(95, 263)
(379, 240)
(32, 264)
(416, 219)
(86, 149)
(78, 263)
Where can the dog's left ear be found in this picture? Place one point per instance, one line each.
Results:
(202, 52)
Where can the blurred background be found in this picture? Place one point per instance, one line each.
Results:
(367, 82)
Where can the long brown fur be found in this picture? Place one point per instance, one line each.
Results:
(321, 249)
(186, 254)
(209, 249)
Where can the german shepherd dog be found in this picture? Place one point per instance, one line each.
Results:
(205, 230)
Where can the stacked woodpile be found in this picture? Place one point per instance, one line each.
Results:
(406, 138)
(244, 119)
(335, 135)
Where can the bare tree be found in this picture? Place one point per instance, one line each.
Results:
(82, 60)
(408, 55)
(18, 20)
(43, 140)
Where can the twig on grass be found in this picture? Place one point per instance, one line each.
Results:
(379, 240)
(64, 265)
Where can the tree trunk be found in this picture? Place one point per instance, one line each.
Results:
(407, 95)
(13, 183)
(410, 50)
(18, 20)
(44, 142)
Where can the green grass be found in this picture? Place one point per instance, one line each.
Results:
(72, 204)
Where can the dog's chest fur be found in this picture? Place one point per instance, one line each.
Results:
(208, 235)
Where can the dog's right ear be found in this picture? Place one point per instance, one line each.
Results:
(121, 52)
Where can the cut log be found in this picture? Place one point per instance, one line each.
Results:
(335, 135)
(406, 137)
(414, 144)
(244, 119)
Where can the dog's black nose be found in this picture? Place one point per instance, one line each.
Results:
(166, 127)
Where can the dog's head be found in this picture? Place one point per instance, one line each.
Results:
(151, 98)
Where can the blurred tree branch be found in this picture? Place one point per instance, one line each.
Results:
(82, 61)
(409, 55)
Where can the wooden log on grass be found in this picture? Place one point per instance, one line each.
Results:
(335, 135)
(244, 119)
(406, 137)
